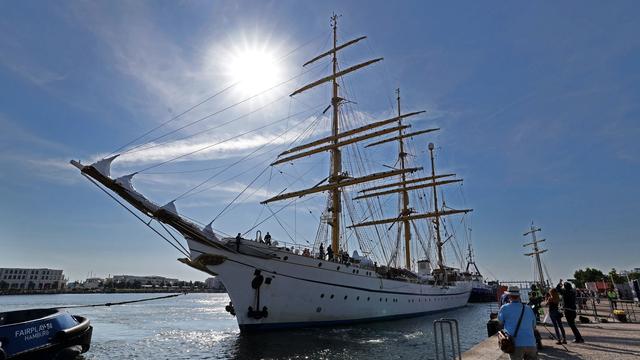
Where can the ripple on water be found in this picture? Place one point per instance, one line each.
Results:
(196, 326)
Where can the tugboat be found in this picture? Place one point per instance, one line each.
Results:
(481, 291)
(43, 334)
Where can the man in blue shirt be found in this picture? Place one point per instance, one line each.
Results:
(509, 315)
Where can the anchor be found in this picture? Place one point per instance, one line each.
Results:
(256, 283)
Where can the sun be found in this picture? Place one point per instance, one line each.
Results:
(254, 70)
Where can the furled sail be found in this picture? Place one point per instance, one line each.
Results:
(341, 184)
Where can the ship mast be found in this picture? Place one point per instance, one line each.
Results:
(536, 253)
(338, 179)
(436, 218)
(336, 156)
(404, 194)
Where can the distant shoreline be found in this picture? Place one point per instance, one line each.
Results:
(118, 291)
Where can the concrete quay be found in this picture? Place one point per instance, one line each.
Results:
(611, 341)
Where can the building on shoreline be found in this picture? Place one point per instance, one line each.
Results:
(213, 283)
(31, 279)
(144, 280)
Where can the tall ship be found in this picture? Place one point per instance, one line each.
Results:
(274, 285)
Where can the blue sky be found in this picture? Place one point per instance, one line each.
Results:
(539, 106)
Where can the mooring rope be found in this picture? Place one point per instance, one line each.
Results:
(120, 302)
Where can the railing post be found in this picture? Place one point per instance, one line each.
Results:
(454, 334)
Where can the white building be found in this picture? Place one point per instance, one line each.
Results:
(93, 283)
(214, 283)
(31, 279)
(145, 280)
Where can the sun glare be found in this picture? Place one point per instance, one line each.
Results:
(255, 70)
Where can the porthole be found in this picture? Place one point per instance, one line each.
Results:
(331, 297)
(386, 300)
(321, 295)
(368, 298)
(380, 299)
(338, 268)
(319, 264)
(318, 309)
(345, 297)
(357, 297)
(286, 258)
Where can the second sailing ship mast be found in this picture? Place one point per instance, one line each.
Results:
(536, 253)
(404, 194)
(336, 155)
(436, 217)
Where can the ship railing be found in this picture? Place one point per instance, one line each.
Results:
(299, 249)
(442, 328)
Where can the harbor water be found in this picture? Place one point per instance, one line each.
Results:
(196, 326)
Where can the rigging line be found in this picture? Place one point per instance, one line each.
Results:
(262, 208)
(190, 191)
(282, 226)
(269, 217)
(212, 145)
(295, 233)
(240, 194)
(228, 179)
(154, 145)
(258, 188)
(183, 171)
(175, 117)
(174, 238)
(225, 109)
(134, 214)
(237, 162)
(211, 97)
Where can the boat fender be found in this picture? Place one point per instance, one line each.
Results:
(257, 280)
(70, 352)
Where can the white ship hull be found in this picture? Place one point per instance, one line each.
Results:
(303, 291)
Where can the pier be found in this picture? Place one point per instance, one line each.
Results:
(611, 340)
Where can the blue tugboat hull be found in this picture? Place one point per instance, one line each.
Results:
(43, 334)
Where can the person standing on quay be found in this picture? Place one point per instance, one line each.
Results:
(570, 312)
(509, 315)
(613, 297)
(553, 302)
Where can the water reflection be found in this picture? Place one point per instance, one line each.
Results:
(196, 326)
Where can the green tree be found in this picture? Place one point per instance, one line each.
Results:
(634, 276)
(615, 277)
(588, 275)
